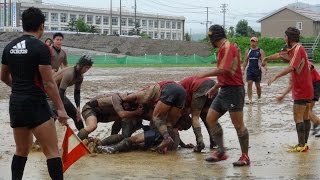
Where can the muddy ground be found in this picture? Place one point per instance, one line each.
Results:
(270, 125)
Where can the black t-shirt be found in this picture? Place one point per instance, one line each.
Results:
(23, 56)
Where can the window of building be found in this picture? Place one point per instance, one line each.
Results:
(150, 34)
(46, 28)
(45, 15)
(124, 22)
(179, 36)
(156, 35)
(63, 17)
(115, 21)
(162, 35)
(161, 24)
(54, 28)
(138, 22)
(115, 32)
(144, 23)
(54, 17)
(174, 25)
(73, 17)
(64, 28)
(179, 25)
(299, 25)
(98, 20)
(81, 16)
(105, 31)
(168, 35)
(89, 19)
(168, 24)
(124, 32)
(131, 21)
(174, 36)
(150, 23)
(106, 20)
(156, 24)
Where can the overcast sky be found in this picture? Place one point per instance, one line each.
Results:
(194, 10)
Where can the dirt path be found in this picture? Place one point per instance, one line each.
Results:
(270, 125)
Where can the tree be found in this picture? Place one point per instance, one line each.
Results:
(231, 31)
(187, 37)
(72, 25)
(242, 28)
(81, 25)
(92, 29)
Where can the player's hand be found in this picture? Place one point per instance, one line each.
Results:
(280, 99)
(212, 92)
(264, 62)
(78, 114)
(271, 80)
(62, 116)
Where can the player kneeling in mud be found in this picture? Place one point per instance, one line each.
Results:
(103, 109)
(150, 139)
(168, 99)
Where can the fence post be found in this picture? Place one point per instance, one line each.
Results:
(160, 58)
(145, 57)
(105, 58)
(176, 58)
(194, 58)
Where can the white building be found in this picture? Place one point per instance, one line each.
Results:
(59, 16)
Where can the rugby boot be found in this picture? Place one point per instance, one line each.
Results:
(244, 160)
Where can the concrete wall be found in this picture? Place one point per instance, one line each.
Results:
(134, 46)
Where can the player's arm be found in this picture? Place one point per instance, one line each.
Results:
(49, 84)
(76, 94)
(245, 63)
(65, 81)
(5, 75)
(215, 72)
(284, 93)
(64, 63)
(280, 74)
(117, 105)
(5, 71)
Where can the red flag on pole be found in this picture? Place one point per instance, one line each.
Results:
(73, 149)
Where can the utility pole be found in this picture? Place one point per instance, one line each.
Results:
(5, 13)
(207, 22)
(110, 17)
(120, 19)
(224, 10)
(10, 15)
(135, 14)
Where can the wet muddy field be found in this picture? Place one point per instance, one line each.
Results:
(270, 125)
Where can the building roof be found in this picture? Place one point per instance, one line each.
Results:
(313, 15)
(97, 11)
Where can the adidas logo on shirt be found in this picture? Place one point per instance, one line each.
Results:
(19, 48)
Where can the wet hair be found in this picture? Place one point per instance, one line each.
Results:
(293, 34)
(32, 19)
(85, 60)
(216, 32)
(58, 34)
(184, 122)
(48, 39)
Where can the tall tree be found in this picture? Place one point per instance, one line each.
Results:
(187, 37)
(242, 28)
(231, 31)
